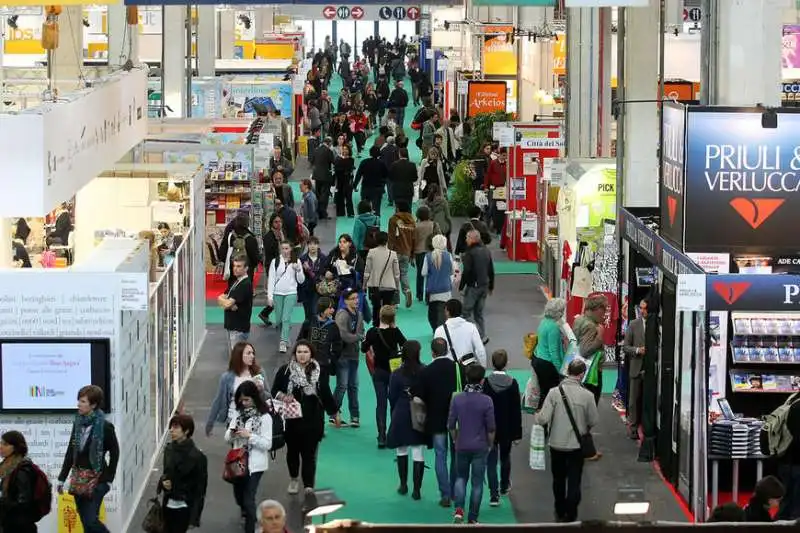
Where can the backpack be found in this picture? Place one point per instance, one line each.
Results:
(239, 245)
(42, 493)
(278, 430)
(775, 437)
(370, 236)
(302, 230)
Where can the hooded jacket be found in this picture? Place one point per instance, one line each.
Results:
(362, 222)
(505, 395)
(440, 214)
(401, 233)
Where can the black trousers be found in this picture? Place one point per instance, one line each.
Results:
(343, 198)
(375, 197)
(567, 469)
(378, 298)
(420, 261)
(548, 376)
(176, 520)
(301, 458)
(435, 314)
(323, 198)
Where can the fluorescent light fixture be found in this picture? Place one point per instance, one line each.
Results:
(631, 502)
(322, 502)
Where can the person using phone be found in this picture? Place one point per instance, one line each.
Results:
(285, 275)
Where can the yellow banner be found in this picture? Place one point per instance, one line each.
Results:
(499, 57)
(560, 54)
(68, 519)
(12, 3)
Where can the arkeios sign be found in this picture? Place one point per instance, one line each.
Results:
(742, 185)
(673, 148)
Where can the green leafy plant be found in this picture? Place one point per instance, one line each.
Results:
(482, 124)
(461, 193)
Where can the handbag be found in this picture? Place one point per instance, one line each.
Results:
(370, 361)
(533, 394)
(154, 519)
(82, 482)
(586, 441)
(419, 414)
(236, 465)
(466, 359)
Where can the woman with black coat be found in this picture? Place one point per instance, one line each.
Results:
(303, 380)
(402, 436)
(17, 482)
(184, 479)
(343, 168)
(272, 248)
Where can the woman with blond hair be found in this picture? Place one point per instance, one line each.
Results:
(438, 270)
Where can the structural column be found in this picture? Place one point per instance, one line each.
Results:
(123, 39)
(583, 81)
(638, 138)
(227, 33)
(68, 57)
(173, 69)
(206, 40)
(263, 21)
(535, 63)
(747, 41)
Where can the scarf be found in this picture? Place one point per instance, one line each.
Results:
(244, 415)
(96, 420)
(7, 467)
(473, 388)
(299, 378)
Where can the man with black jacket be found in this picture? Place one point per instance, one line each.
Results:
(322, 173)
(402, 176)
(477, 280)
(323, 334)
(474, 223)
(437, 383)
(373, 173)
(398, 101)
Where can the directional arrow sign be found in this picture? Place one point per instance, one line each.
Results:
(357, 12)
(412, 13)
(399, 13)
(329, 12)
(343, 12)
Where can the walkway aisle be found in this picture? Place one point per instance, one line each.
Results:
(365, 477)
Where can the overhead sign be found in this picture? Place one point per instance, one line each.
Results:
(694, 14)
(329, 12)
(60, 147)
(742, 181)
(673, 147)
(357, 12)
(753, 292)
(498, 57)
(413, 13)
(343, 12)
(486, 97)
(351, 12)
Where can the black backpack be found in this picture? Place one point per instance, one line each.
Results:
(278, 430)
(371, 237)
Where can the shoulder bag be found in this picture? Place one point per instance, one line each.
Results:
(466, 359)
(586, 441)
(154, 519)
(82, 482)
(394, 358)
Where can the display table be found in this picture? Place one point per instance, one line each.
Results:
(715, 460)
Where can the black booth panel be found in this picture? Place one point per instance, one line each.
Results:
(666, 457)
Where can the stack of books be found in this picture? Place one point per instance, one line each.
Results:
(737, 439)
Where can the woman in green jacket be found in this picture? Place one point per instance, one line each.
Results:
(548, 357)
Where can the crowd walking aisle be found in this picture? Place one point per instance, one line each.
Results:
(364, 476)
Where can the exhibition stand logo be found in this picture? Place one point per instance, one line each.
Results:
(730, 292)
(672, 207)
(37, 391)
(756, 211)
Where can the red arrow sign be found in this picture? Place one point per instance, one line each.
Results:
(685, 15)
(412, 13)
(357, 12)
(329, 12)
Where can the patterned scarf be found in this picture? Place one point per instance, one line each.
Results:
(244, 415)
(473, 388)
(96, 420)
(301, 378)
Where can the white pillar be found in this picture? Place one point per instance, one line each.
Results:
(174, 68)
(68, 57)
(749, 52)
(583, 57)
(604, 87)
(263, 21)
(206, 40)
(227, 33)
(123, 40)
(535, 64)
(642, 123)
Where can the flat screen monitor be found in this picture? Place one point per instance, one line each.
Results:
(45, 375)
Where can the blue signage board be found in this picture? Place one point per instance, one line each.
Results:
(671, 261)
(742, 180)
(753, 292)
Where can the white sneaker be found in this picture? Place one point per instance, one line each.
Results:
(283, 348)
(294, 487)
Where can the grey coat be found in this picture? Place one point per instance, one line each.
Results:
(634, 338)
(553, 414)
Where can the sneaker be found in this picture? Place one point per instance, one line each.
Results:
(354, 423)
(494, 501)
(408, 298)
(332, 420)
(445, 502)
(474, 521)
(294, 487)
(458, 516)
(505, 491)
(283, 347)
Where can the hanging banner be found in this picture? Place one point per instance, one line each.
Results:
(673, 127)
(498, 55)
(486, 97)
(753, 292)
(560, 54)
(742, 180)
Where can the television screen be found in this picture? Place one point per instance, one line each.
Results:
(45, 375)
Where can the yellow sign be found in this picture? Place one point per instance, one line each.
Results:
(68, 519)
(499, 57)
(560, 55)
(12, 3)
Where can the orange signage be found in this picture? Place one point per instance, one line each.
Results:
(560, 54)
(681, 91)
(486, 97)
(499, 58)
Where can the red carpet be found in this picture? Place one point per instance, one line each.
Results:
(215, 285)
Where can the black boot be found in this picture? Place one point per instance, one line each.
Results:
(419, 472)
(402, 472)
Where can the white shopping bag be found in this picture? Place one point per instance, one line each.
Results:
(532, 393)
(536, 457)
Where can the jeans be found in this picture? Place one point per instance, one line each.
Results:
(472, 465)
(474, 301)
(444, 477)
(420, 260)
(89, 509)
(567, 469)
(284, 303)
(234, 337)
(347, 380)
(379, 298)
(244, 492)
(404, 261)
(375, 197)
(380, 380)
(400, 113)
(310, 299)
(790, 504)
(299, 448)
(176, 520)
(502, 451)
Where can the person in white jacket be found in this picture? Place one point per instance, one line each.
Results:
(285, 274)
(462, 336)
(251, 428)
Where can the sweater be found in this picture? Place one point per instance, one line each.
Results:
(360, 225)
(473, 414)
(284, 278)
(550, 346)
(423, 232)
(507, 401)
(351, 330)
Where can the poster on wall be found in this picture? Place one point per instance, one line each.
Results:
(741, 181)
(249, 96)
(486, 97)
(673, 129)
(498, 55)
(790, 51)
